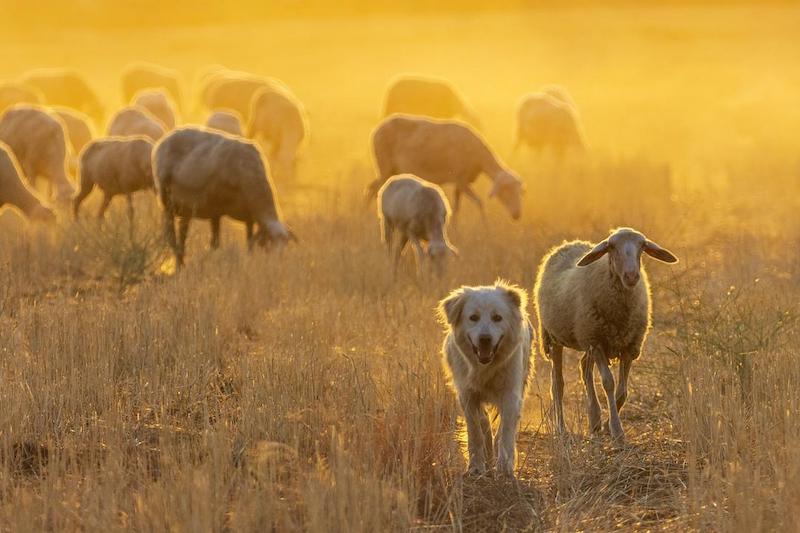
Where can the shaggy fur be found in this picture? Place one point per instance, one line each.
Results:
(201, 173)
(599, 307)
(39, 143)
(14, 192)
(135, 121)
(227, 121)
(442, 152)
(159, 104)
(549, 120)
(487, 352)
(418, 210)
(117, 165)
(65, 87)
(426, 96)
(278, 121)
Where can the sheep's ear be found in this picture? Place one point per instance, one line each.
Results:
(657, 252)
(596, 253)
(450, 308)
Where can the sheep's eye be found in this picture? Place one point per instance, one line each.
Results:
(474, 317)
(497, 318)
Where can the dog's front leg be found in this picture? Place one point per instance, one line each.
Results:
(510, 408)
(471, 405)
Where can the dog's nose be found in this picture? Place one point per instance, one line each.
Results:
(485, 340)
(631, 278)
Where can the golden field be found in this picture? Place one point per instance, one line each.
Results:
(303, 390)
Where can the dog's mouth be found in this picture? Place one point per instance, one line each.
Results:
(485, 352)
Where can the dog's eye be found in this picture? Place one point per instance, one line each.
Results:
(475, 317)
(497, 318)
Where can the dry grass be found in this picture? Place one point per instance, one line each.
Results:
(304, 390)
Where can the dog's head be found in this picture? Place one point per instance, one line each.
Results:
(486, 321)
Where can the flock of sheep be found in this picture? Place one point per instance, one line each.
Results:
(594, 299)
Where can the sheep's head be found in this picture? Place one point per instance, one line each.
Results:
(624, 248)
(508, 188)
(274, 233)
(440, 252)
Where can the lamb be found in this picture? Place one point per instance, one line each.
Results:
(65, 87)
(418, 210)
(78, 128)
(117, 165)
(14, 192)
(207, 174)
(601, 308)
(141, 76)
(17, 93)
(442, 152)
(426, 96)
(231, 90)
(278, 121)
(549, 119)
(136, 121)
(227, 121)
(158, 104)
(38, 141)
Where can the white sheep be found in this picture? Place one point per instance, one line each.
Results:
(159, 104)
(12, 93)
(233, 90)
(426, 96)
(549, 119)
(14, 192)
(140, 76)
(418, 211)
(135, 121)
(65, 87)
(442, 152)
(117, 165)
(601, 308)
(201, 173)
(278, 121)
(37, 138)
(227, 121)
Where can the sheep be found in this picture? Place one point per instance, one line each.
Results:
(135, 121)
(12, 93)
(140, 76)
(37, 138)
(442, 152)
(549, 119)
(418, 210)
(278, 120)
(14, 192)
(227, 121)
(427, 96)
(207, 174)
(65, 87)
(78, 128)
(117, 165)
(231, 90)
(158, 104)
(601, 308)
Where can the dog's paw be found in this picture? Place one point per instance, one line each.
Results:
(505, 470)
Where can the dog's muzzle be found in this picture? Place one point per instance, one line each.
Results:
(485, 350)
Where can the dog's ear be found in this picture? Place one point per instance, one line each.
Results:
(516, 296)
(450, 308)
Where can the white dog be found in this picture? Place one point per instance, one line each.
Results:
(488, 354)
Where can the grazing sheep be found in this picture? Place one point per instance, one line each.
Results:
(430, 97)
(141, 76)
(65, 87)
(549, 120)
(418, 210)
(442, 152)
(135, 121)
(158, 104)
(37, 138)
(601, 308)
(14, 192)
(78, 128)
(17, 93)
(487, 353)
(117, 165)
(231, 90)
(227, 121)
(278, 121)
(205, 174)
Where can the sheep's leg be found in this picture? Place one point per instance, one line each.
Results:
(86, 188)
(183, 232)
(419, 253)
(129, 199)
(387, 233)
(214, 233)
(398, 251)
(476, 445)
(614, 424)
(593, 406)
(510, 409)
(101, 212)
(557, 386)
(457, 200)
(249, 232)
(474, 197)
(169, 231)
(622, 385)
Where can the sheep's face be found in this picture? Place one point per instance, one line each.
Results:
(484, 320)
(274, 233)
(508, 189)
(439, 253)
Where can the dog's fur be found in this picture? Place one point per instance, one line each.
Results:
(488, 355)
